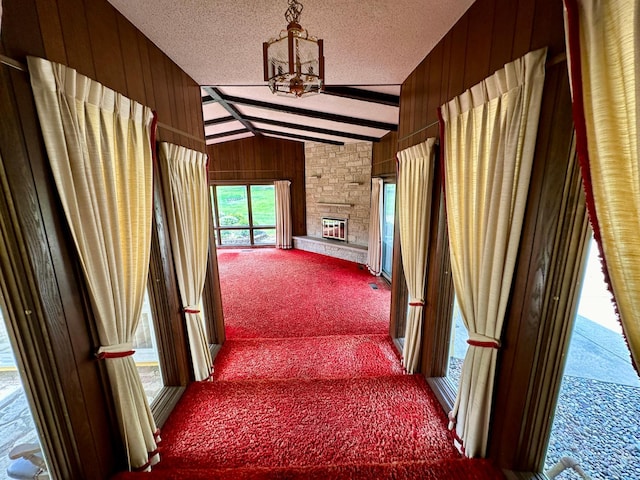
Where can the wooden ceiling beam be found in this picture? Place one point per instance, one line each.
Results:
(218, 97)
(363, 122)
(309, 128)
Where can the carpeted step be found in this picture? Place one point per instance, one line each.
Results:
(306, 423)
(308, 385)
(329, 357)
(459, 469)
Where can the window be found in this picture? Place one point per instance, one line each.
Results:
(458, 345)
(16, 423)
(244, 215)
(146, 356)
(599, 394)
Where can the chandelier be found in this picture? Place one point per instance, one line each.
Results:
(294, 62)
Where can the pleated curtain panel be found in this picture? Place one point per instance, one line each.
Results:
(413, 203)
(284, 236)
(489, 141)
(185, 187)
(374, 252)
(603, 41)
(99, 145)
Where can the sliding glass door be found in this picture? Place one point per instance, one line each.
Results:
(244, 215)
(389, 210)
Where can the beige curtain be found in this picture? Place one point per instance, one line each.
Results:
(374, 253)
(185, 187)
(604, 48)
(413, 203)
(99, 145)
(489, 137)
(283, 214)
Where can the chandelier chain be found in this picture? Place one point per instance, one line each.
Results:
(292, 15)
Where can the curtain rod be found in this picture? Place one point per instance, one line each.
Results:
(561, 57)
(10, 62)
(418, 131)
(21, 67)
(164, 126)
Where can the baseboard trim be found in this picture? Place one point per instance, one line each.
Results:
(214, 349)
(444, 391)
(164, 403)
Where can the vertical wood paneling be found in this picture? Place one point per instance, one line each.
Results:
(186, 104)
(446, 69)
(490, 34)
(160, 89)
(263, 158)
(548, 13)
(526, 317)
(479, 42)
(38, 266)
(434, 83)
(523, 28)
(18, 17)
(93, 38)
(79, 377)
(173, 119)
(423, 79)
(457, 65)
(75, 32)
(51, 30)
(131, 58)
(383, 159)
(145, 72)
(503, 31)
(105, 46)
(197, 120)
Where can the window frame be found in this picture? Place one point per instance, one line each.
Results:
(251, 227)
(388, 181)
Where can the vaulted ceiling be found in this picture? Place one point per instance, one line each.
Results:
(370, 47)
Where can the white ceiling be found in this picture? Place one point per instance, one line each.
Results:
(370, 44)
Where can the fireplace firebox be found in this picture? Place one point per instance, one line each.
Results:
(334, 228)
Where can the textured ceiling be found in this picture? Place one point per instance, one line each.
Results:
(366, 41)
(370, 44)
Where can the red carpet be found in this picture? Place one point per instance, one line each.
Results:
(307, 358)
(461, 469)
(307, 423)
(309, 385)
(268, 293)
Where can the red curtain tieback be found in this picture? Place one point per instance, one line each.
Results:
(190, 310)
(416, 304)
(103, 355)
(476, 343)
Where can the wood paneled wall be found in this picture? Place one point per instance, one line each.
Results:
(263, 158)
(490, 34)
(383, 158)
(95, 39)
(92, 37)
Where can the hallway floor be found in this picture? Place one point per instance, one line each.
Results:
(308, 384)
